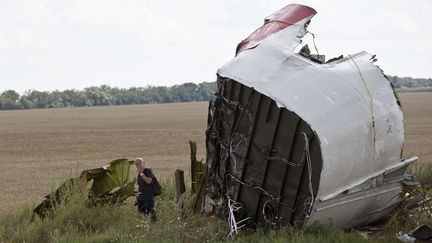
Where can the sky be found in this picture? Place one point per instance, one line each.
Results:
(64, 44)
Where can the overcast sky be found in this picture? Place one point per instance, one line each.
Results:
(64, 44)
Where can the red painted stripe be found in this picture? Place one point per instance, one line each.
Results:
(276, 22)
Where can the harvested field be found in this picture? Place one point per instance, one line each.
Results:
(417, 109)
(40, 148)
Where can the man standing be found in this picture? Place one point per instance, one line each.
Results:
(145, 189)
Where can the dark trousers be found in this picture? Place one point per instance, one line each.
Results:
(147, 207)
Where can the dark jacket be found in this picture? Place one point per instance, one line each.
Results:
(145, 190)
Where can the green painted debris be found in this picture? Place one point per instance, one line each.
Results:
(107, 184)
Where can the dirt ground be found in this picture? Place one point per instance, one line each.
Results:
(417, 109)
(40, 148)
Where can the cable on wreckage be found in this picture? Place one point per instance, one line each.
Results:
(372, 101)
(233, 206)
(277, 199)
(241, 115)
(273, 224)
(230, 152)
(229, 148)
(313, 41)
(284, 160)
(309, 164)
(235, 225)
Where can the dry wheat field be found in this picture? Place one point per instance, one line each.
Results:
(40, 148)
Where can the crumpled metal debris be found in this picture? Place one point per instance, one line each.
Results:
(422, 233)
(406, 238)
(292, 139)
(107, 184)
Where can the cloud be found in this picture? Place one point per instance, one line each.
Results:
(57, 44)
(3, 43)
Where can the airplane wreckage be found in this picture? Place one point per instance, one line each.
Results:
(107, 184)
(293, 140)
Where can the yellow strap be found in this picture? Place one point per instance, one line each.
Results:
(372, 101)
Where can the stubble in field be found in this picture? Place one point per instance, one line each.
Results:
(417, 108)
(40, 148)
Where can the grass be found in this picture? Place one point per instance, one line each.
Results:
(75, 221)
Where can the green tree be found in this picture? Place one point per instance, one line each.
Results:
(10, 100)
(37, 98)
(105, 95)
(98, 95)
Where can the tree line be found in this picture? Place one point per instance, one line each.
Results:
(408, 82)
(106, 95)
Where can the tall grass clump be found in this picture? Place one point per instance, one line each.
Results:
(314, 233)
(417, 208)
(73, 220)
